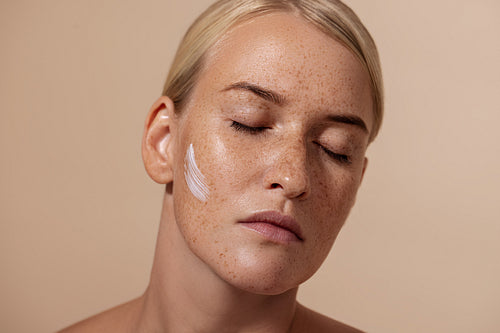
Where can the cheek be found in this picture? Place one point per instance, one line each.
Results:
(191, 186)
(327, 212)
(194, 178)
(202, 191)
(333, 199)
(230, 167)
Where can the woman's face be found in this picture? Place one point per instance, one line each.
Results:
(272, 144)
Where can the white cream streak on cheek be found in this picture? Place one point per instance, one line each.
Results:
(194, 178)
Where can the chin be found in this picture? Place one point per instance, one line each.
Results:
(265, 276)
(262, 286)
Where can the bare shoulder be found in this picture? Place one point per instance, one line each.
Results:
(307, 320)
(118, 319)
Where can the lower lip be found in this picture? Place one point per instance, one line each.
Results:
(271, 232)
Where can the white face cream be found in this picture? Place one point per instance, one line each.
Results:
(195, 180)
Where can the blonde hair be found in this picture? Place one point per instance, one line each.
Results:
(332, 17)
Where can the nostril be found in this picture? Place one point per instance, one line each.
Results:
(290, 186)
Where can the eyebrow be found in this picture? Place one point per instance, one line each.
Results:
(261, 92)
(279, 99)
(349, 119)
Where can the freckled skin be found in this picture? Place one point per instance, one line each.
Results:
(209, 273)
(317, 77)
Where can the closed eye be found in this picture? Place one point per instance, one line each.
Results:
(344, 159)
(249, 129)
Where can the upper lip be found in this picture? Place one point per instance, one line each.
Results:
(276, 218)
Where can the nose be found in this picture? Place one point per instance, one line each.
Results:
(288, 171)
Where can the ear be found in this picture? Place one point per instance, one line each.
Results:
(157, 141)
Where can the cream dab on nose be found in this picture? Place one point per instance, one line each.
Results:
(195, 180)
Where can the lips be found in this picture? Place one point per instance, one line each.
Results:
(275, 226)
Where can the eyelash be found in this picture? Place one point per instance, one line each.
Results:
(344, 159)
(249, 129)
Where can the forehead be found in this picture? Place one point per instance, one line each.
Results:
(286, 53)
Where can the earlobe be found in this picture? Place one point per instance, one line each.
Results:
(157, 141)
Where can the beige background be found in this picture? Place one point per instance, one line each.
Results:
(420, 252)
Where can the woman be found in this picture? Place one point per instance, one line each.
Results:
(260, 138)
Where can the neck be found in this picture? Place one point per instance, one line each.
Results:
(186, 295)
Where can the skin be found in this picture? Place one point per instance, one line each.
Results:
(211, 273)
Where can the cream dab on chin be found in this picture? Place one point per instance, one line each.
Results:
(195, 180)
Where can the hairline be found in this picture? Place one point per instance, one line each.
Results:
(346, 28)
(248, 17)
